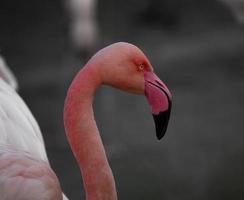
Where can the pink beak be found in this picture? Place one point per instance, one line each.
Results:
(159, 98)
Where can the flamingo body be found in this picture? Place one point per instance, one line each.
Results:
(25, 173)
(24, 177)
(18, 126)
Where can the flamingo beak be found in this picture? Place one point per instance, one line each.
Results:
(159, 98)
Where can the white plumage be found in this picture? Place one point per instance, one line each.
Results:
(23, 177)
(17, 124)
(25, 173)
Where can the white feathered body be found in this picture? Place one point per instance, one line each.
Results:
(23, 177)
(17, 125)
(25, 173)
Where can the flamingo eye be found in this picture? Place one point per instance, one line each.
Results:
(141, 67)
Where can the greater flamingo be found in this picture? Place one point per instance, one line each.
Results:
(121, 65)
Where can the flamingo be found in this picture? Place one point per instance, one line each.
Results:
(23, 175)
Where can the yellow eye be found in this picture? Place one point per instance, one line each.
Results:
(141, 67)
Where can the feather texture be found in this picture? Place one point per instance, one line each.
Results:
(23, 177)
(25, 173)
(18, 126)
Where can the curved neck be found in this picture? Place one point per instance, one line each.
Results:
(84, 137)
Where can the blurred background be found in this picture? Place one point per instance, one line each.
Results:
(196, 48)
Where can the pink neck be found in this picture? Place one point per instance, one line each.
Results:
(84, 138)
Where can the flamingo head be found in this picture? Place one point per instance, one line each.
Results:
(126, 67)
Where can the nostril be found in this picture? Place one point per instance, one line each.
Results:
(158, 82)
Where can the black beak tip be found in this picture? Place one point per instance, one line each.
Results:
(161, 123)
(160, 135)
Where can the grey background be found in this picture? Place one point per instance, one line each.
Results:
(196, 48)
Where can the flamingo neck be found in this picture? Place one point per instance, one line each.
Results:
(84, 137)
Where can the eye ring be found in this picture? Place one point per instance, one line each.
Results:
(141, 67)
